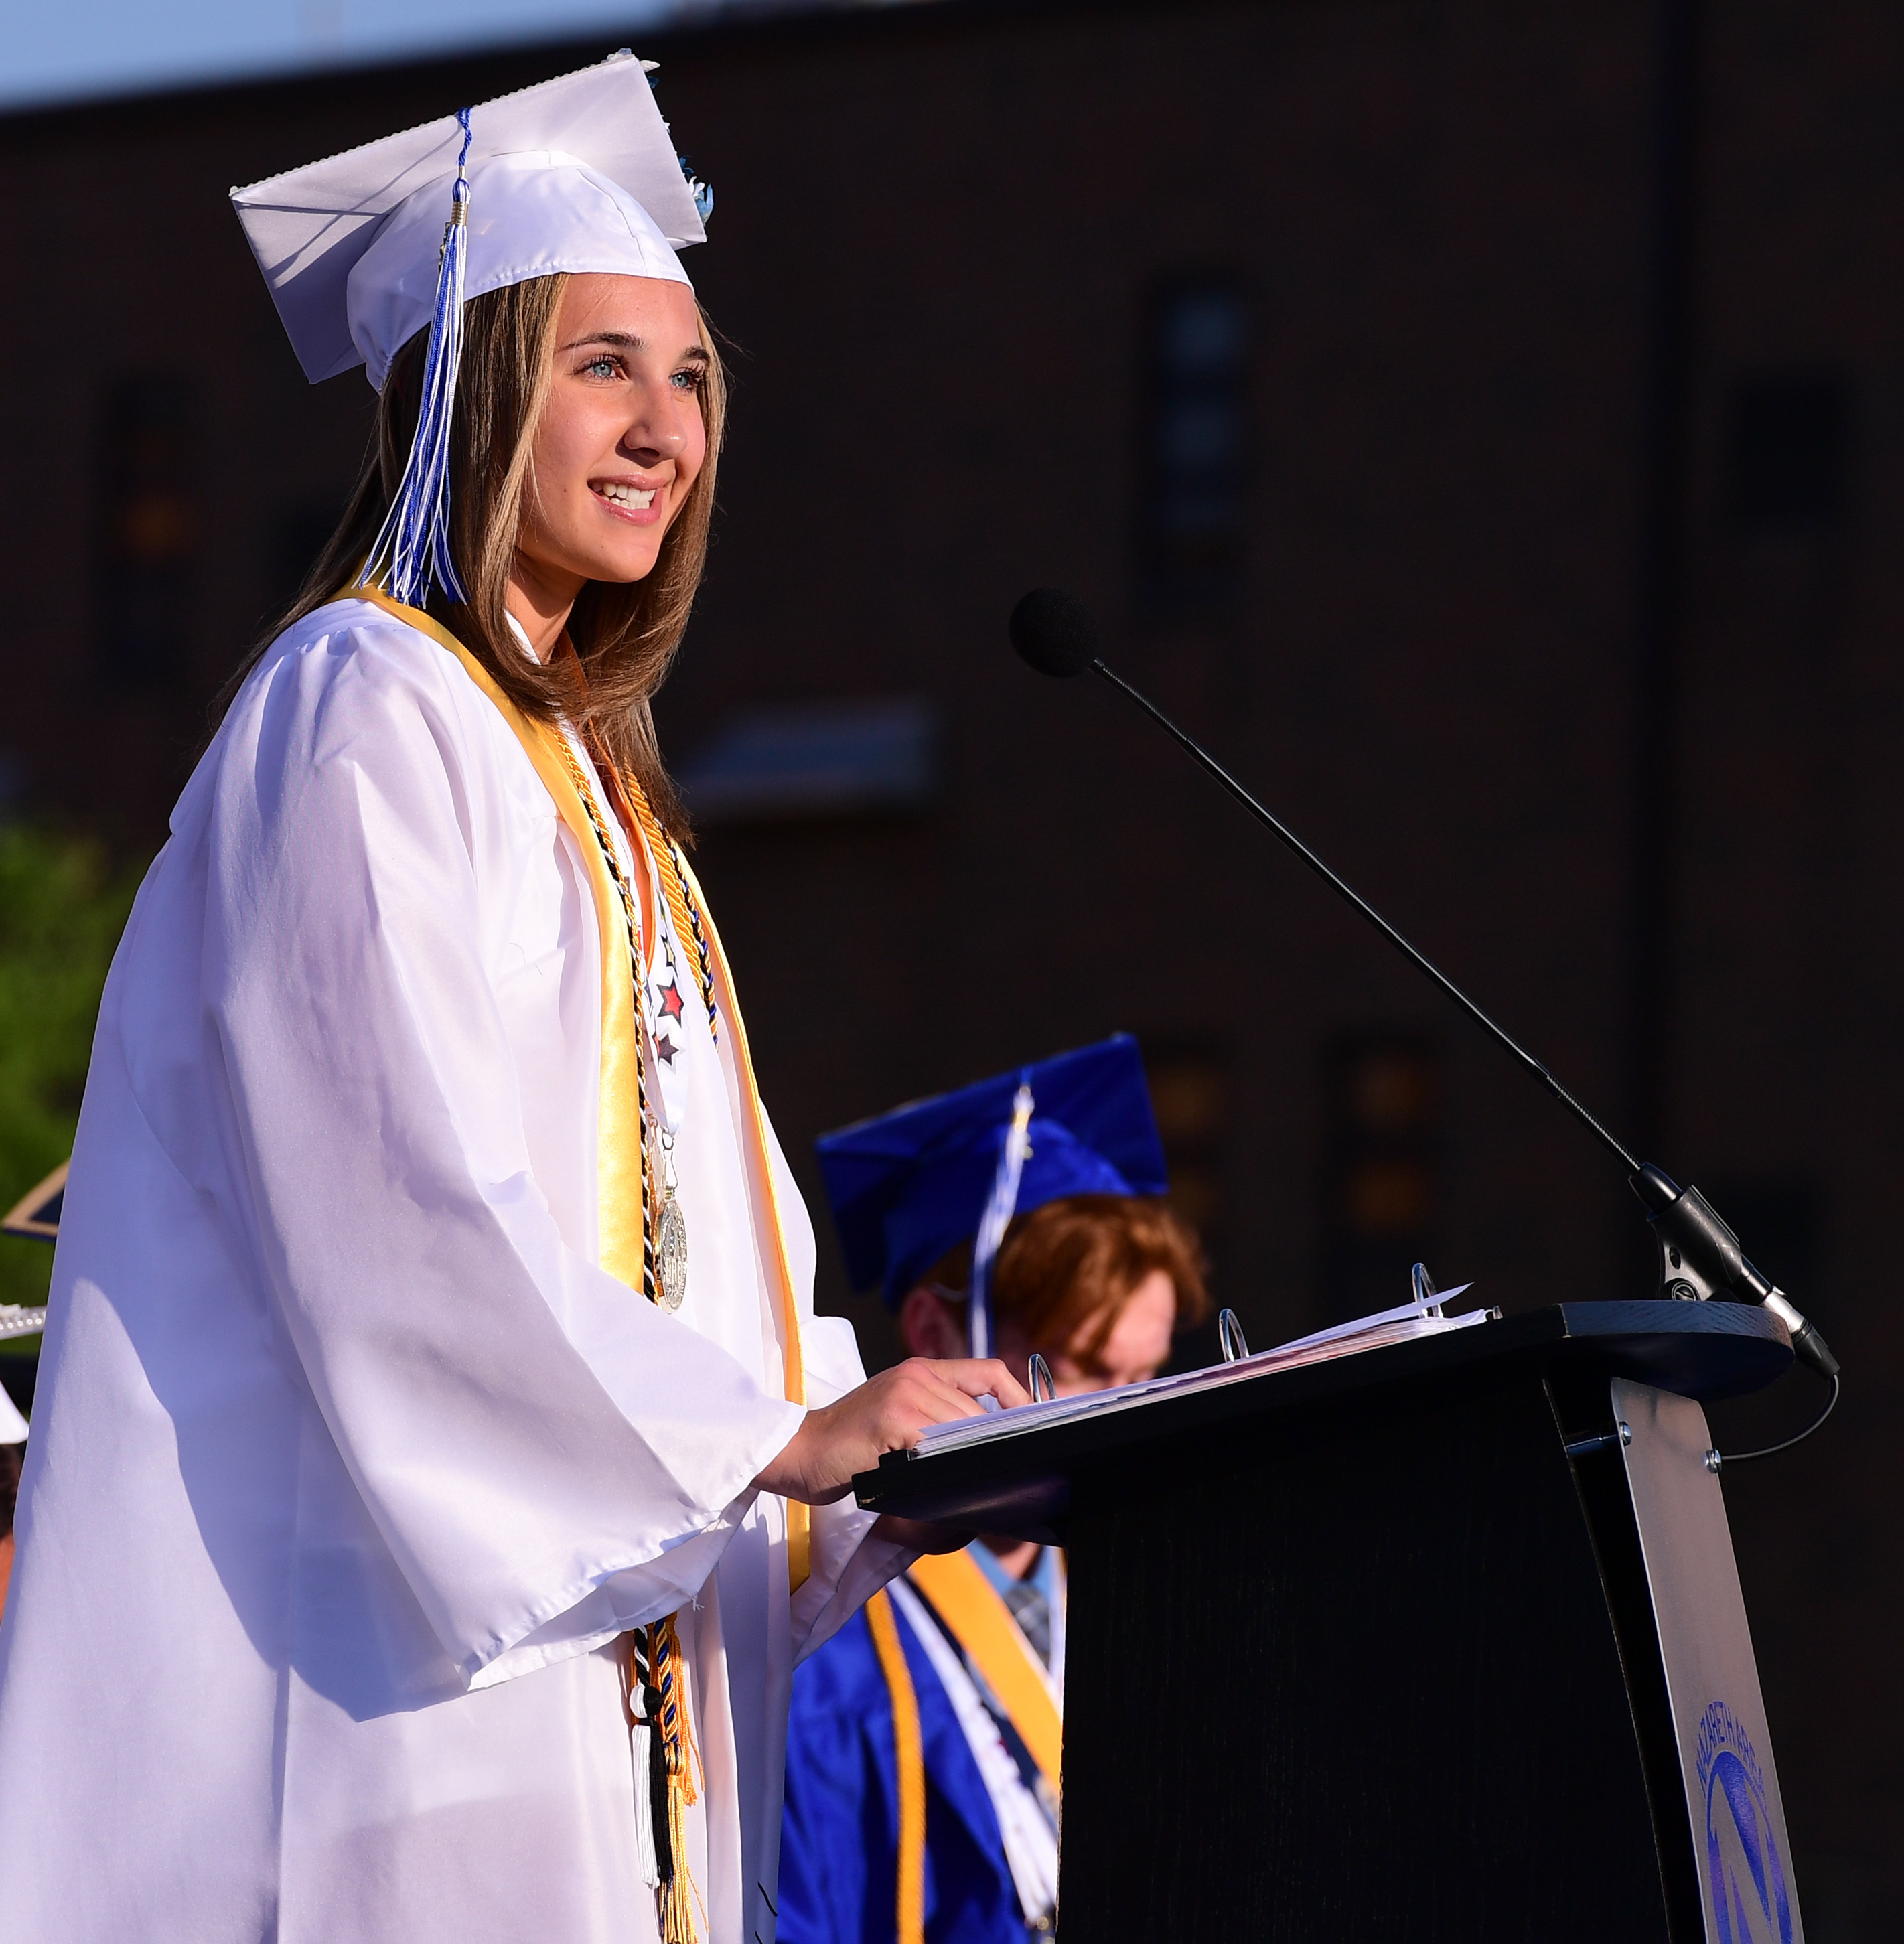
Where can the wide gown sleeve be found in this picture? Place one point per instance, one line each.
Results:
(521, 1427)
(849, 1563)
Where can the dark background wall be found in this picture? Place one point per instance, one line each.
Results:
(1525, 530)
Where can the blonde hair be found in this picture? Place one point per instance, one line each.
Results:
(626, 635)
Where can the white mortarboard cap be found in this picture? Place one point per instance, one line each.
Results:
(530, 214)
(576, 173)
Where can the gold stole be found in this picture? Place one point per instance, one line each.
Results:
(982, 1625)
(619, 1138)
(909, 1762)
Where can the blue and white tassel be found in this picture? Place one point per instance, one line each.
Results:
(413, 546)
(998, 1212)
(702, 193)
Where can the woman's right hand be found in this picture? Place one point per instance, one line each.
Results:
(885, 1414)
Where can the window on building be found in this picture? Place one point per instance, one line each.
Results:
(1382, 1193)
(1190, 462)
(147, 537)
(1789, 455)
(1190, 1092)
(874, 757)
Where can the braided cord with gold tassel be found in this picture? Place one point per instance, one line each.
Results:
(672, 868)
(632, 920)
(664, 1745)
(657, 1701)
(685, 907)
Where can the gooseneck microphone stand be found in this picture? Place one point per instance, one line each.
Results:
(1699, 1256)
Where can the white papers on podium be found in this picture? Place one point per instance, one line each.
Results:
(1345, 1339)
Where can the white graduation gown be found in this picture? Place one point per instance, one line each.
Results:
(351, 1465)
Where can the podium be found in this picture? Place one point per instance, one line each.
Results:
(1439, 1641)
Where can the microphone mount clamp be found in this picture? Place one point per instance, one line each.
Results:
(1699, 1258)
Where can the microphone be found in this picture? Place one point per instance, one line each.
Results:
(1699, 1256)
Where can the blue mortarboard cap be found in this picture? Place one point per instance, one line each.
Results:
(910, 1185)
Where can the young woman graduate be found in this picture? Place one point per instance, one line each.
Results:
(415, 1539)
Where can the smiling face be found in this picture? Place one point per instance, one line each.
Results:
(621, 438)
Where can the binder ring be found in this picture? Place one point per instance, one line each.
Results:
(1229, 1334)
(1042, 1388)
(1423, 1285)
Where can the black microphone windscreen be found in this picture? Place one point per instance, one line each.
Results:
(1054, 633)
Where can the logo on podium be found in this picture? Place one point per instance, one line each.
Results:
(1752, 1901)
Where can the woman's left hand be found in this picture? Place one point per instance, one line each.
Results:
(885, 1414)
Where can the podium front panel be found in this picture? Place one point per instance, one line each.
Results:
(1746, 1889)
(1352, 1677)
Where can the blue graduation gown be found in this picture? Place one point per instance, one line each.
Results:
(839, 1841)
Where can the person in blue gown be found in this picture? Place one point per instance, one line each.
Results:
(922, 1770)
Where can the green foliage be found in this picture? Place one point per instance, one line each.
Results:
(62, 908)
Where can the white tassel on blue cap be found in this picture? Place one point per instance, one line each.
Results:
(999, 1209)
(413, 546)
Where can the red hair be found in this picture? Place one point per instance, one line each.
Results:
(1072, 1265)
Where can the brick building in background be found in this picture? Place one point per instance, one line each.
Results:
(1525, 528)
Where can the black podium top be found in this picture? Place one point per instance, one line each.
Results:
(1020, 1481)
